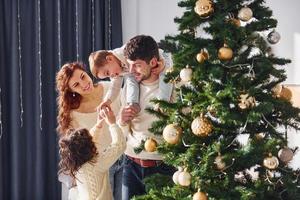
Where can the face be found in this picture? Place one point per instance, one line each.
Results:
(81, 82)
(111, 69)
(140, 69)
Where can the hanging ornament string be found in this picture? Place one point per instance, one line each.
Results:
(40, 63)
(1, 130)
(109, 25)
(58, 33)
(93, 25)
(77, 31)
(269, 123)
(20, 65)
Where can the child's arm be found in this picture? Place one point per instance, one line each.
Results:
(118, 144)
(113, 91)
(132, 90)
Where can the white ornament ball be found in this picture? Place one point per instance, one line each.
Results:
(186, 74)
(245, 14)
(184, 178)
(273, 37)
(172, 133)
(176, 174)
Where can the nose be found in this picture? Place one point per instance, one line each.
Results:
(131, 69)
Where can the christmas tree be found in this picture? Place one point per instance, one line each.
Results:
(229, 85)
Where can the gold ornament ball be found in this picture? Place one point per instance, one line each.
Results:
(184, 178)
(285, 155)
(246, 101)
(172, 133)
(204, 8)
(199, 196)
(186, 74)
(202, 56)
(286, 94)
(220, 163)
(260, 136)
(245, 14)
(201, 126)
(150, 145)
(271, 162)
(225, 53)
(277, 90)
(176, 174)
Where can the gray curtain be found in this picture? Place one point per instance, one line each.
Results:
(36, 38)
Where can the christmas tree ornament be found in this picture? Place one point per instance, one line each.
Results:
(186, 110)
(201, 126)
(225, 53)
(273, 37)
(172, 133)
(282, 92)
(169, 70)
(184, 178)
(176, 174)
(204, 8)
(236, 22)
(199, 195)
(245, 14)
(260, 136)
(212, 110)
(202, 56)
(271, 162)
(186, 74)
(150, 145)
(285, 155)
(246, 101)
(220, 164)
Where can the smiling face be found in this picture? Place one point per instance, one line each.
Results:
(80, 82)
(111, 69)
(141, 69)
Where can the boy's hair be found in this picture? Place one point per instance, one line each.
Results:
(75, 149)
(97, 59)
(141, 47)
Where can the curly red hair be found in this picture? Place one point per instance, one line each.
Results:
(66, 100)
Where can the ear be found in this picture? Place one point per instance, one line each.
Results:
(153, 62)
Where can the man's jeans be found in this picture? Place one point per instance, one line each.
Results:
(115, 177)
(133, 175)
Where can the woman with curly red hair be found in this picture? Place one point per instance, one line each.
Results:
(77, 100)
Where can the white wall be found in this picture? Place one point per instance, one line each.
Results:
(155, 18)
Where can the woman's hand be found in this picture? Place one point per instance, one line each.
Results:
(108, 115)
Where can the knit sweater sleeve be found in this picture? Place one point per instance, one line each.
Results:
(110, 154)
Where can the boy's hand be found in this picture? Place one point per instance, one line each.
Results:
(103, 105)
(159, 68)
(108, 115)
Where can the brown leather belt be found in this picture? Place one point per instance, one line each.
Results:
(145, 163)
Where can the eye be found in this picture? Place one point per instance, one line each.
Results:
(106, 73)
(82, 76)
(75, 85)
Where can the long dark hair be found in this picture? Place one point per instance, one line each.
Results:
(75, 149)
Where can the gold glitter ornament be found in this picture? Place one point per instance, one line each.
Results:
(201, 126)
(204, 8)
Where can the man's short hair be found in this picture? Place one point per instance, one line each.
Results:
(141, 47)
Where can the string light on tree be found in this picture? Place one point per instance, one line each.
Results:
(204, 8)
